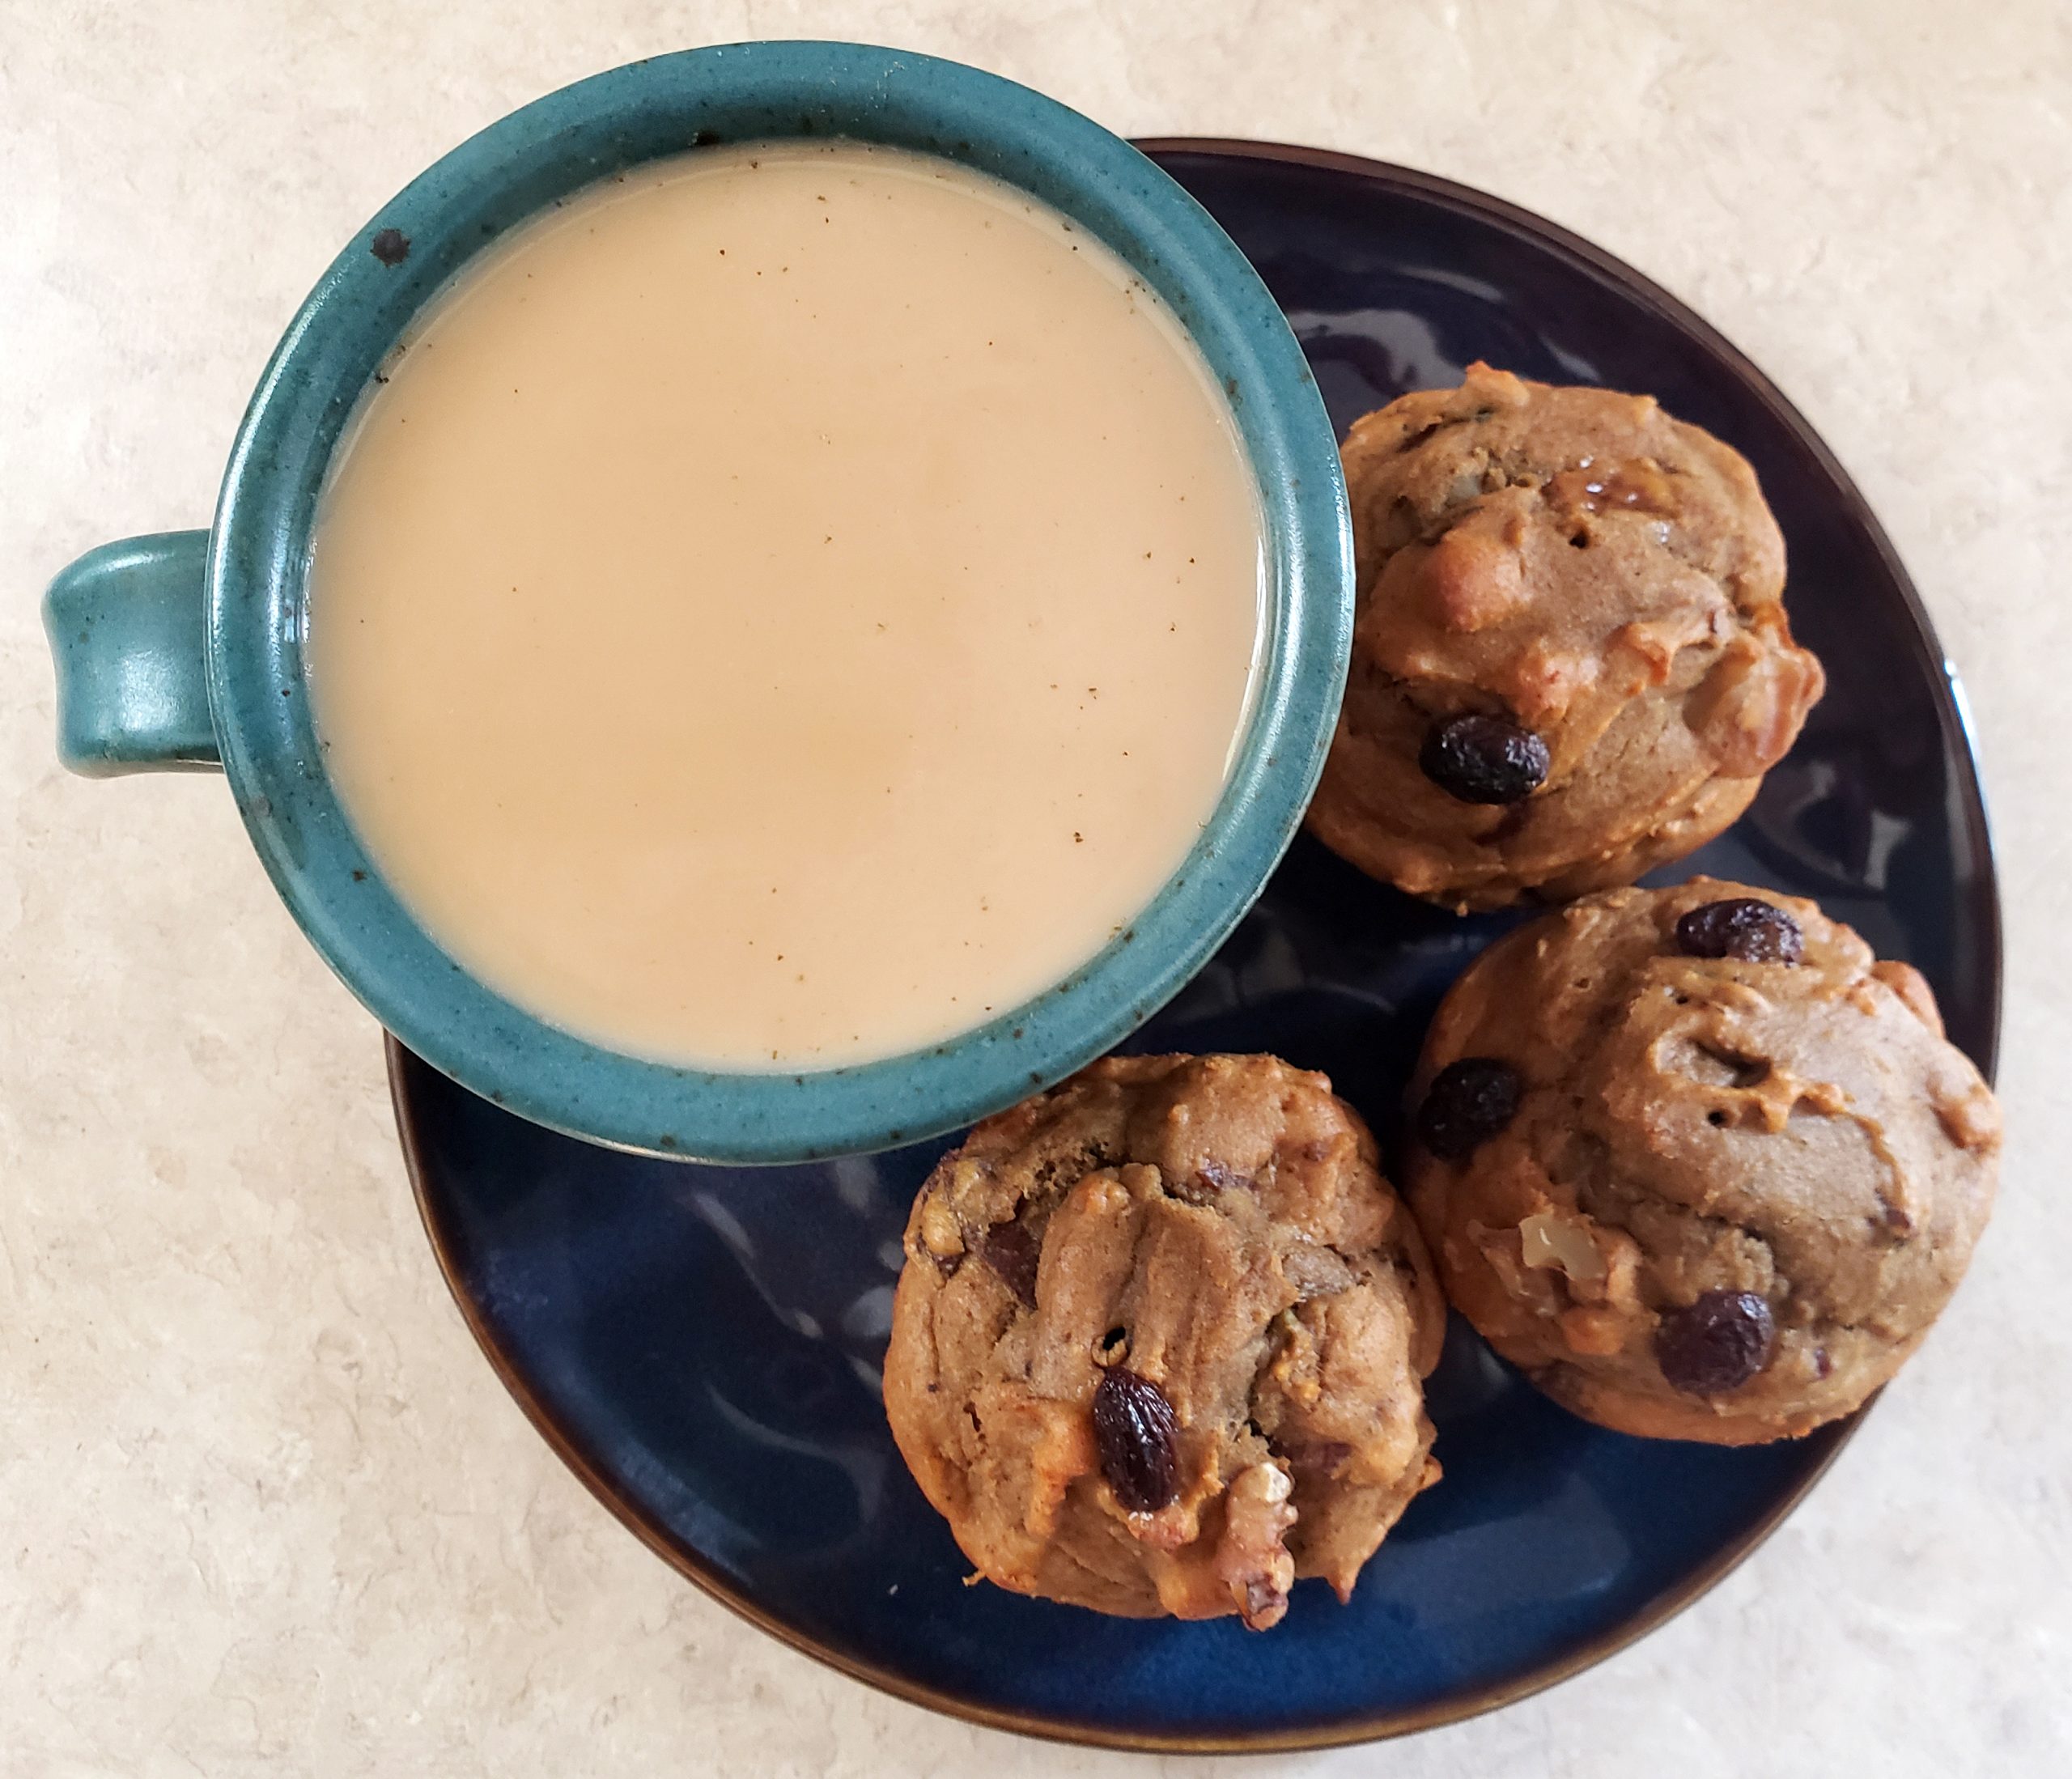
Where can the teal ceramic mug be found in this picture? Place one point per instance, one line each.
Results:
(184, 651)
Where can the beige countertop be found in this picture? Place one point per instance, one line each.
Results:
(263, 1508)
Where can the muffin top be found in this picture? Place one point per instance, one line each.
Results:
(1571, 660)
(1698, 1163)
(1157, 1343)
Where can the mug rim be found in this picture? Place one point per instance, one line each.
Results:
(515, 168)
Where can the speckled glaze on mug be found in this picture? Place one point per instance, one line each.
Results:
(186, 649)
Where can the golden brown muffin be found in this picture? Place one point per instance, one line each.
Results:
(1157, 1345)
(1697, 1162)
(1570, 659)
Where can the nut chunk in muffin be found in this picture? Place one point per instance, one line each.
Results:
(1696, 1161)
(1159, 1341)
(1570, 659)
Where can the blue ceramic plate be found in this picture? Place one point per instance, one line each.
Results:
(702, 1344)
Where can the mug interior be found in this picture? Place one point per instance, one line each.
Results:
(426, 236)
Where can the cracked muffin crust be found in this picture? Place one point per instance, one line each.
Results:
(1696, 1161)
(1570, 658)
(1158, 1343)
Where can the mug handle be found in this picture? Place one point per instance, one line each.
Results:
(128, 632)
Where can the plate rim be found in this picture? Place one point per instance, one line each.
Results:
(1954, 715)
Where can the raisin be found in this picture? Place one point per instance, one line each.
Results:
(1137, 1438)
(1468, 1102)
(391, 246)
(1484, 759)
(1217, 1178)
(1012, 1252)
(1744, 928)
(1717, 1343)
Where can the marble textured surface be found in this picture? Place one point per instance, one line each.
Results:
(263, 1510)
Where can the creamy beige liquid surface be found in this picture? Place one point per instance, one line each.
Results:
(787, 606)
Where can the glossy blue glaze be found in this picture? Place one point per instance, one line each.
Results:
(537, 157)
(702, 1343)
(126, 628)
